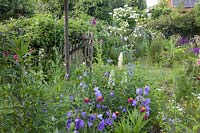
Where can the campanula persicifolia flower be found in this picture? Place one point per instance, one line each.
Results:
(142, 109)
(108, 121)
(139, 98)
(71, 98)
(147, 108)
(101, 125)
(146, 102)
(130, 100)
(69, 113)
(147, 113)
(83, 114)
(92, 117)
(100, 116)
(98, 105)
(112, 93)
(96, 89)
(86, 100)
(69, 122)
(16, 57)
(106, 74)
(98, 93)
(124, 110)
(139, 91)
(79, 124)
(67, 76)
(114, 116)
(90, 124)
(108, 113)
(134, 103)
(146, 90)
(104, 107)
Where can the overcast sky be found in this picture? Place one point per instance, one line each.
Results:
(151, 2)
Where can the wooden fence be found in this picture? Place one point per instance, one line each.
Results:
(82, 50)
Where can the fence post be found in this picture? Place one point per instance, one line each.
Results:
(66, 37)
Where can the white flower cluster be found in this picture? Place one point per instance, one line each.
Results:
(125, 12)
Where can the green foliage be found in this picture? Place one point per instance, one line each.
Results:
(15, 8)
(54, 7)
(101, 8)
(158, 11)
(180, 21)
(132, 123)
(156, 47)
(44, 31)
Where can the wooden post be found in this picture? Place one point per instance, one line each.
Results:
(66, 37)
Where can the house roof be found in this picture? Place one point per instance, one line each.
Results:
(187, 3)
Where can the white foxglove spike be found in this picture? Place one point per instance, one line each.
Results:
(120, 60)
(111, 81)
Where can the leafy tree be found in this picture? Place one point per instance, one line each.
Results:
(15, 8)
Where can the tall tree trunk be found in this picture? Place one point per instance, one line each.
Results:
(66, 37)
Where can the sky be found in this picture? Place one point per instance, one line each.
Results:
(151, 2)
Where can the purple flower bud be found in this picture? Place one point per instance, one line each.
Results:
(114, 116)
(71, 98)
(108, 113)
(89, 124)
(139, 91)
(112, 94)
(124, 110)
(106, 74)
(69, 113)
(67, 76)
(68, 123)
(83, 114)
(146, 90)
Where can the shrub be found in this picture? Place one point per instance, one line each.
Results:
(177, 22)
